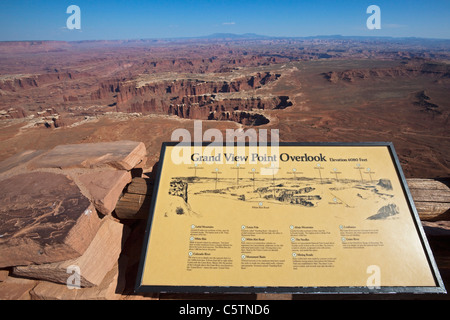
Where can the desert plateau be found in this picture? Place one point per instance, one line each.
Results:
(339, 89)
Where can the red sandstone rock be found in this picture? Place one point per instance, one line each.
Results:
(94, 264)
(198, 99)
(33, 81)
(16, 289)
(104, 187)
(3, 275)
(109, 289)
(438, 228)
(18, 160)
(44, 218)
(404, 71)
(12, 113)
(122, 155)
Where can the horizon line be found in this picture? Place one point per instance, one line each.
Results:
(236, 36)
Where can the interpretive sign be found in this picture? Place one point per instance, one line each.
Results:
(290, 218)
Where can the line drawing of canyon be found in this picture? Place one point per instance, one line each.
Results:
(306, 193)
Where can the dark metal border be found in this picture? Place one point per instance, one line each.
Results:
(439, 288)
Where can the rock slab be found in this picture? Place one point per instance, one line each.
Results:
(44, 218)
(110, 289)
(122, 155)
(93, 265)
(16, 289)
(19, 160)
(104, 187)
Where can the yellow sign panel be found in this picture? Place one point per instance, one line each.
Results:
(287, 218)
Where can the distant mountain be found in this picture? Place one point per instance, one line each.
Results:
(234, 36)
(429, 42)
(254, 36)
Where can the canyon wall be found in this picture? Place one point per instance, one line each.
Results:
(438, 71)
(22, 82)
(232, 100)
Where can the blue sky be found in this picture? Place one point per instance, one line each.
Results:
(133, 19)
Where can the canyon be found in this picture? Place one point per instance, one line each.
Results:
(310, 89)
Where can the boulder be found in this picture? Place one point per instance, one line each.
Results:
(93, 265)
(110, 289)
(16, 289)
(44, 218)
(122, 155)
(104, 187)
